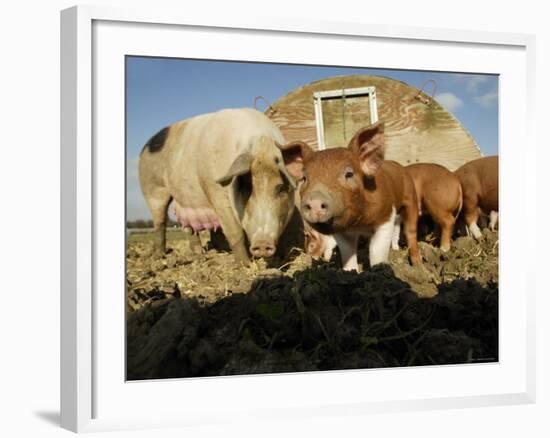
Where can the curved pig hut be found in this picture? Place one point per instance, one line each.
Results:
(328, 112)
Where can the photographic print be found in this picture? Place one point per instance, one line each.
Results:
(293, 218)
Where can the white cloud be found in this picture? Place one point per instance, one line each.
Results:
(477, 87)
(449, 100)
(488, 99)
(474, 83)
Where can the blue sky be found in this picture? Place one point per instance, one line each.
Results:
(161, 91)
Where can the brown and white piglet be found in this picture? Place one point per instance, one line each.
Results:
(439, 195)
(317, 245)
(479, 180)
(349, 192)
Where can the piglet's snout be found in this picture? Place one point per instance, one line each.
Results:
(317, 208)
(263, 248)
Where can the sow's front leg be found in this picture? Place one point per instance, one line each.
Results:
(231, 227)
(235, 237)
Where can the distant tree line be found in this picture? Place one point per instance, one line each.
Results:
(142, 223)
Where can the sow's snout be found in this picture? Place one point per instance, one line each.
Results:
(317, 207)
(263, 248)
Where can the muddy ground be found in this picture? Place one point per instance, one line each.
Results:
(203, 314)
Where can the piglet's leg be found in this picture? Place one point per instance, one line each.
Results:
(474, 230)
(381, 240)
(410, 222)
(329, 248)
(446, 223)
(493, 219)
(396, 233)
(347, 243)
(471, 215)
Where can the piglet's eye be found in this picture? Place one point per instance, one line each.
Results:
(348, 173)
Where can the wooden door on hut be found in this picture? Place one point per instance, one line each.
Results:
(340, 113)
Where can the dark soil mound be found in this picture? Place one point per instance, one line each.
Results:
(199, 315)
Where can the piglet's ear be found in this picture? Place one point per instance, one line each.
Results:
(368, 144)
(294, 155)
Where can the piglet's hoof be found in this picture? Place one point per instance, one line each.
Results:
(416, 260)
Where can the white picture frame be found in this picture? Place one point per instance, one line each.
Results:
(91, 388)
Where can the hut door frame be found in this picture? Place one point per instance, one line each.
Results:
(318, 97)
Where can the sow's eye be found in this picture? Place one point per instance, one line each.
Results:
(281, 189)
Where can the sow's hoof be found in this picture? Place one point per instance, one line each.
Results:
(160, 252)
(195, 246)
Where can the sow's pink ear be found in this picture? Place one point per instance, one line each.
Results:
(294, 155)
(368, 144)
